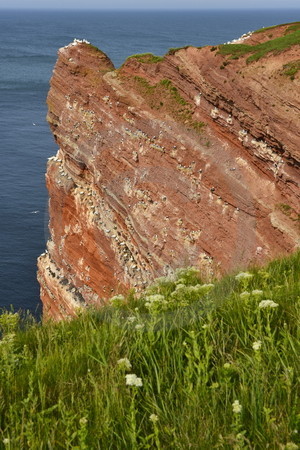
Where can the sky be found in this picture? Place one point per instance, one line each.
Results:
(148, 4)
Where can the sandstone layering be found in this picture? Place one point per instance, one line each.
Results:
(190, 159)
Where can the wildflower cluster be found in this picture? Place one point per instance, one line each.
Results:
(124, 363)
(118, 300)
(153, 418)
(256, 345)
(243, 276)
(267, 304)
(133, 380)
(236, 407)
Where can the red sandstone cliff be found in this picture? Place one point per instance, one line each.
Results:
(139, 186)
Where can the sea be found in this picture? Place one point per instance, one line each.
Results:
(29, 41)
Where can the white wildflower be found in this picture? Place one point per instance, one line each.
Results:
(244, 295)
(131, 319)
(257, 292)
(155, 298)
(267, 304)
(243, 276)
(139, 326)
(291, 446)
(153, 418)
(117, 300)
(133, 380)
(8, 339)
(180, 286)
(83, 421)
(256, 345)
(236, 407)
(6, 441)
(125, 363)
(152, 301)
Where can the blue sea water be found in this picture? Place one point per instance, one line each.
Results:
(28, 46)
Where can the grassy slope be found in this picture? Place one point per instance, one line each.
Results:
(192, 345)
(292, 37)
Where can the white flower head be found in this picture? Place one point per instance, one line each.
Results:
(180, 286)
(117, 300)
(291, 446)
(155, 298)
(244, 295)
(6, 441)
(256, 345)
(153, 418)
(133, 380)
(243, 276)
(131, 319)
(257, 292)
(124, 363)
(83, 421)
(267, 304)
(236, 407)
(139, 326)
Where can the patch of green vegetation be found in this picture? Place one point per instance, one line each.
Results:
(289, 211)
(293, 27)
(147, 58)
(261, 30)
(291, 69)
(145, 84)
(171, 51)
(174, 92)
(96, 49)
(258, 51)
(173, 102)
(186, 364)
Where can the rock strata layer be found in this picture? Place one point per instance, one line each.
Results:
(190, 159)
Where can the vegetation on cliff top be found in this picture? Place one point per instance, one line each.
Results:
(188, 365)
(292, 37)
(165, 96)
(146, 58)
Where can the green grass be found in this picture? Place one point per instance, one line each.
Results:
(173, 50)
(173, 102)
(147, 58)
(260, 50)
(291, 69)
(174, 91)
(293, 26)
(61, 386)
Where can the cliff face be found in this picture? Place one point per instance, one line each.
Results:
(192, 159)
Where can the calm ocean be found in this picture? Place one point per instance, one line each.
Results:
(28, 46)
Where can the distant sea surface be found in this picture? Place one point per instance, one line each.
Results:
(29, 41)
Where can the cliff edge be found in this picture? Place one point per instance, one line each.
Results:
(189, 159)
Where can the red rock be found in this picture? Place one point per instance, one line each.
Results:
(139, 187)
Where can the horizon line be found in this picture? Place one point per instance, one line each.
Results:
(257, 8)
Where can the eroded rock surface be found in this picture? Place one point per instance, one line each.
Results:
(140, 186)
